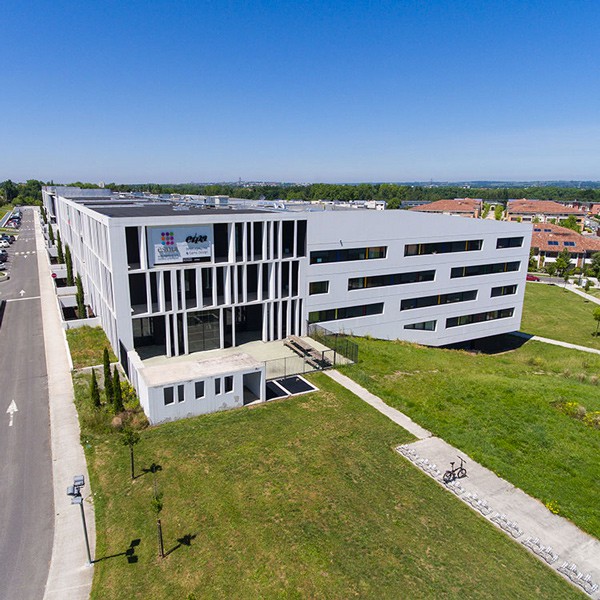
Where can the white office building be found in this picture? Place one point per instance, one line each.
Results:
(184, 291)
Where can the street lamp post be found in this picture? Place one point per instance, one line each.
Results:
(76, 498)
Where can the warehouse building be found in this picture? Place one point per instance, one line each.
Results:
(192, 295)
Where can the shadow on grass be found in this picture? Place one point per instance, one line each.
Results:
(129, 553)
(154, 468)
(185, 540)
(495, 344)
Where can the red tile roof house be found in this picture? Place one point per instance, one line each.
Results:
(527, 210)
(595, 209)
(548, 240)
(462, 207)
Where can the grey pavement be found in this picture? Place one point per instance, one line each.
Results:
(532, 517)
(69, 575)
(538, 338)
(26, 495)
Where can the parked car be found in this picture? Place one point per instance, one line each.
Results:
(3, 255)
(4, 244)
(531, 277)
(7, 237)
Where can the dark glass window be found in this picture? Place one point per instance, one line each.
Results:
(217, 386)
(348, 312)
(228, 383)
(357, 283)
(424, 325)
(347, 254)
(318, 287)
(569, 243)
(552, 243)
(168, 395)
(442, 247)
(199, 388)
(505, 290)
(473, 270)
(180, 393)
(410, 303)
(511, 242)
(491, 315)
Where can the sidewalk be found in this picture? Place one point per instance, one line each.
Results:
(537, 338)
(69, 577)
(532, 517)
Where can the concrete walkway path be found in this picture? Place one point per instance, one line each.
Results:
(495, 495)
(579, 292)
(537, 338)
(69, 575)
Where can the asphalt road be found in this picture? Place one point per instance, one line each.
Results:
(26, 496)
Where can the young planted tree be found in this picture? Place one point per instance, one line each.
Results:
(94, 390)
(59, 248)
(51, 234)
(157, 506)
(69, 265)
(130, 437)
(596, 315)
(44, 216)
(117, 395)
(80, 297)
(563, 262)
(108, 382)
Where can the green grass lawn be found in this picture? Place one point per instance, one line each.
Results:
(87, 346)
(498, 410)
(302, 498)
(550, 311)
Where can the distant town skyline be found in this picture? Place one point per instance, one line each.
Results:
(310, 92)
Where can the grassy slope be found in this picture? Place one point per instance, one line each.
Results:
(552, 312)
(497, 409)
(296, 499)
(87, 346)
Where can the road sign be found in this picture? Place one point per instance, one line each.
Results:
(53, 275)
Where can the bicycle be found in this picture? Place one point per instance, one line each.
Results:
(455, 473)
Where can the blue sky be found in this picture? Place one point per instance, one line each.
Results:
(299, 91)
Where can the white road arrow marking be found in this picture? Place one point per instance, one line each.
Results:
(11, 410)
(22, 292)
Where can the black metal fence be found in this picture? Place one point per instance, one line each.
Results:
(339, 343)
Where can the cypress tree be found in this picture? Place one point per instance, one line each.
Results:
(69, 265)
(108, 382)
(117, 396)
(61, 256)
(51, 233)
(94, 391)
(80, 297)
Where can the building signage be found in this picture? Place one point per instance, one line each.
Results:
(179, 244)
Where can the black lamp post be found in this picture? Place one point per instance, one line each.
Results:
(76, 498)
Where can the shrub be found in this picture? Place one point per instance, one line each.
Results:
(552, 506)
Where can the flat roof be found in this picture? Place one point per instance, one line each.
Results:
(136, 210)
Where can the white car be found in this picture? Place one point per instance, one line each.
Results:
(4, 244)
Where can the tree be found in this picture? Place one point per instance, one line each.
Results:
(94, 391)
(80, 297)
(157, 506)
(117, 396)
(498, 210)
(130, 437)
(51, 234)
(596, 315)
(587, 285)
(563, 262)
(595, 264)
(571, 223)
(551, 269)
(44, 216)
(108, 383)
(59, 248)
(69, 265)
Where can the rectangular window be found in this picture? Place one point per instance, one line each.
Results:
(199, 389)
(474, 270)
(569, 243)
(228, 383)
(168, 396)
(505, 290)
(442, 247)
(537, 229)
(217, 386)
(357, 283)
(552, 243)
(180, 393)
(511, 242)
(410, 303)
(492, 315)
(347, 254)
(349, 312)
(424, 325)
(318, 287)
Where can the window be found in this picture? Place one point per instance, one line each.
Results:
(228, 381)
(505, 290)
(547, 230)
(473, 270)
(569, 243)
(552, 243)
(537, 229)
(357, 283)
(424, 325)
(410, 303)
(349, 312)
(347, 254)
(180, 393)
(512, 242)
(442, 247)
(199, 389)
(217, 386)
(318, 287)
(492, 315)
(168, 396)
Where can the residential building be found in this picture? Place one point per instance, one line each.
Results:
(548, 240)
(462, 207)
(542, 211)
